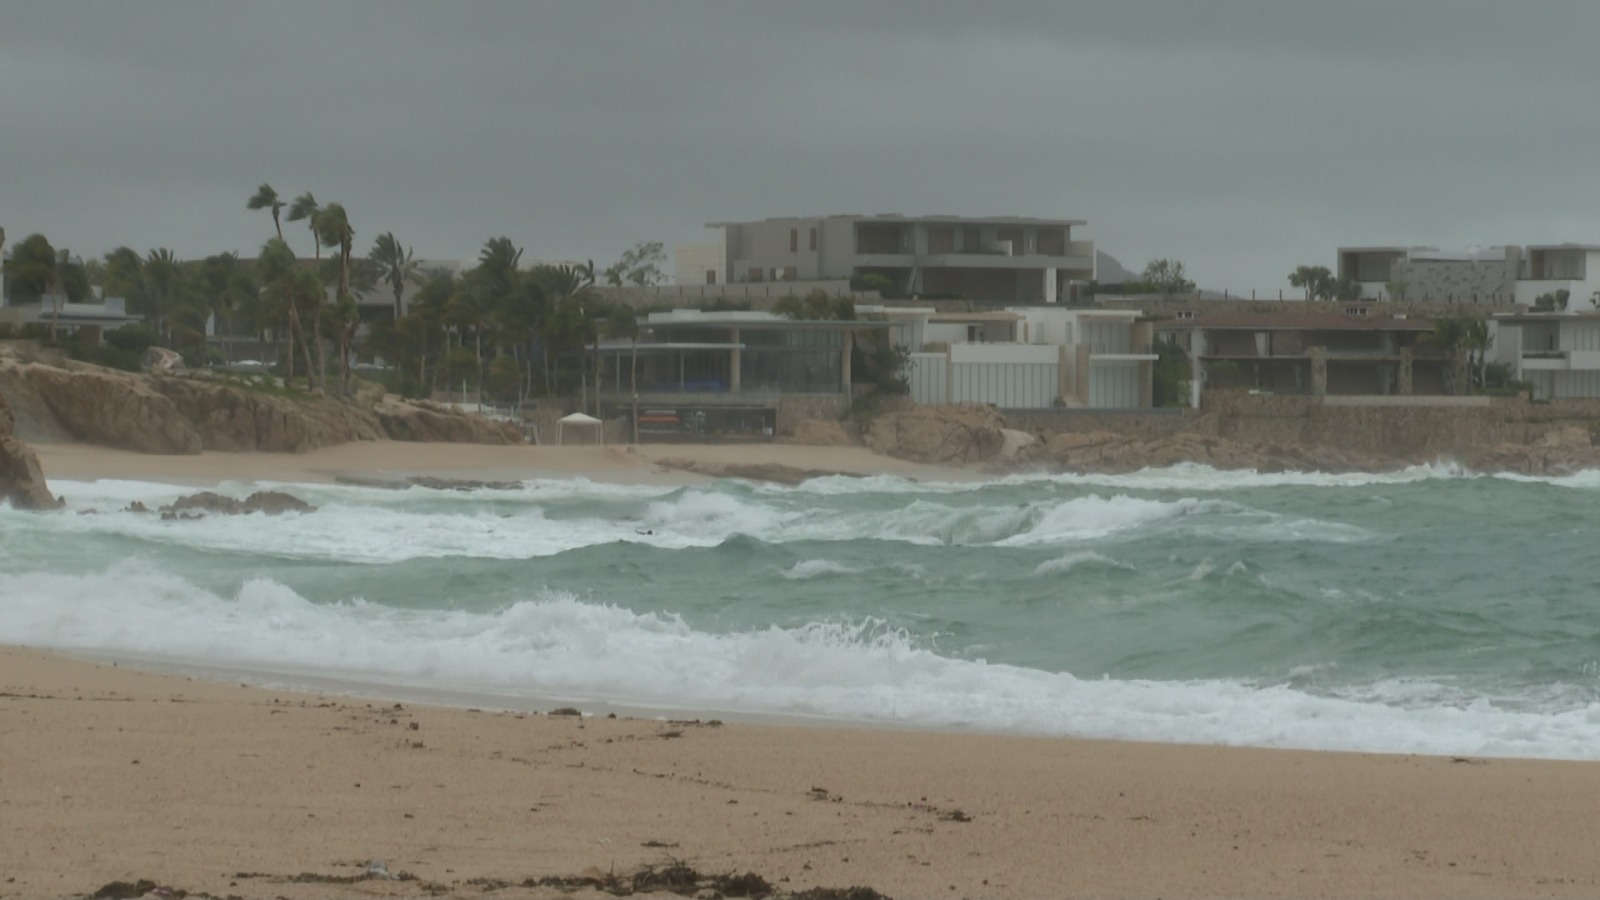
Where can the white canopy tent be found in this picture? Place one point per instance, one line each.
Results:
(582, 420)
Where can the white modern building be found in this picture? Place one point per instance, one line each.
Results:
(1005, 259)
(1028, 357)
(1501, 275)
(1558, 354)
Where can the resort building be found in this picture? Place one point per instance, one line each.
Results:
(1489, 276)
(999, 260)
(731, 373)
(1558, 354)
(1314, 353)
(1028, 357)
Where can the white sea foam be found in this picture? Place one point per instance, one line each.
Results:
(1084, 518)
(1079, 559)
(815, 568)
(552, 643)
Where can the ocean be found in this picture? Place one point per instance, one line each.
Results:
(1422, 611)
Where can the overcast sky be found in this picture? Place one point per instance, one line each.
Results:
(1243, 137)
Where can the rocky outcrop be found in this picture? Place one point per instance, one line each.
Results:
(230, 419)
(775, 473)
(187, 414)
(115, 409)
(21, 479)
(272, 503)
(940, 435)
(405, 421)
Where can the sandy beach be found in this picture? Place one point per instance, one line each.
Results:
(642, 464)
(113, 773)
(118, 775)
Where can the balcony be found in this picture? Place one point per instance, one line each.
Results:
(1546, 361)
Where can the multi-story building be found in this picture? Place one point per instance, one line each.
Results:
(1000, 260)
(1311, 353)
(1558, 354)
(1489, 276)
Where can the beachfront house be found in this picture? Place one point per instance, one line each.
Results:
(995, 260)
(1027, 357)
(1558, 354)
(1501, 275)
(1347, 353)
(731, 373)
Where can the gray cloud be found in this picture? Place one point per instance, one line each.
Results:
(1243, 136)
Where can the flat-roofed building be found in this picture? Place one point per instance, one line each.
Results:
(994, 260)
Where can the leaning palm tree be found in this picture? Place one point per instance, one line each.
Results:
(395, 265)
(305, 208)
(267, 198)
(333, 230)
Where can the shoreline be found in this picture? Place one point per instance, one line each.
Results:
(647, 464)
(126, 774)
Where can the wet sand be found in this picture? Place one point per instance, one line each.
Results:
(113, 774)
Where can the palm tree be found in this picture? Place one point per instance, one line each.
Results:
(1316, 280)
(395, 265)
(291, 288)
(333, 230)
(305, 207)
(267, 198)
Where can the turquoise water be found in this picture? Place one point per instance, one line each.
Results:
(1422, 611)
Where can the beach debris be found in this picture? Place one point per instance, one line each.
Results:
(564, 711)
(677, 878)
(377, 869)
(125, 890)
(955, 815)
(272, 503)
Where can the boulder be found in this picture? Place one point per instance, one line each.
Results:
(272, 503)
(21, 478)
(942, 435)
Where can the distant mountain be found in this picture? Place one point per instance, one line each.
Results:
(1108, 271)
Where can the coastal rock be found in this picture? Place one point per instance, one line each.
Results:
(410, 421)
(775, 473)
(271, 503)
(962, 434)
(186, 414)
(232, 419)
(21, 478)
(114, 409)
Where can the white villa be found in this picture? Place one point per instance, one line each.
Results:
(1559, 354)
(1502, 275)
(1027, 357)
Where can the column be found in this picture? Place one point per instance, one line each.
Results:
(734, 374)
(845, 343)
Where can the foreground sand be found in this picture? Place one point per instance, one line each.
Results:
(116, 775)
(646, 464)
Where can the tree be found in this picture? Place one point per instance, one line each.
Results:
(1552, 302)
(334, 231)
(267, 198)
(125, 278)
(295, 292)
(305, 208)
(1475, 334)
(1347, 288)
(1450, 334)
(1316, 280)
(1164, 276)
(640, 265)
(32, 270)
(624, 324)
(396, 267)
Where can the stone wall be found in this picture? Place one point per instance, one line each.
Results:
(1418, 432)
